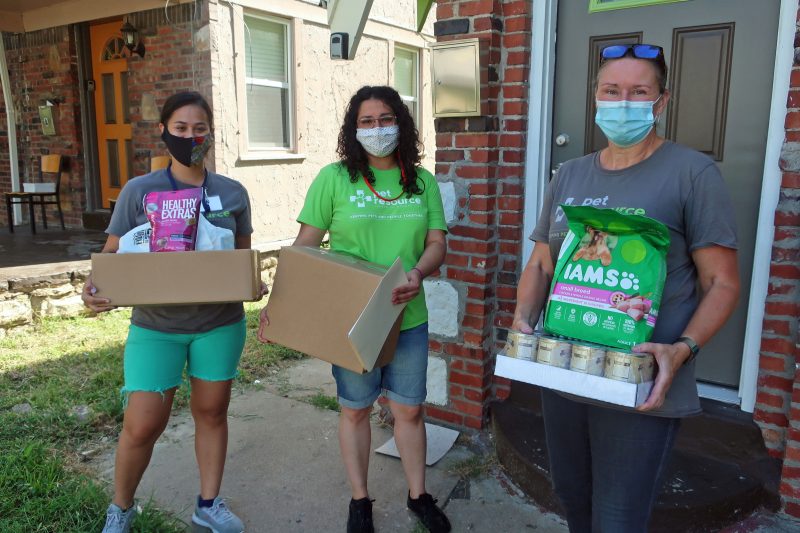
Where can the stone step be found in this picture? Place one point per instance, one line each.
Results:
(719, 472)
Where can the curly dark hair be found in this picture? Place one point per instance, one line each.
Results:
(354, 157)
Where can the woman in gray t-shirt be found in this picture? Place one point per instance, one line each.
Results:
(206, 340)
(606, 461)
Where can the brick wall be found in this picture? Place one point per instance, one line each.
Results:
(177, 59)
(43, 65)
(484, 158)
(778, 400)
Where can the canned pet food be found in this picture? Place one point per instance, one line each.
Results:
(588, 358)
(554, 352)
(521, 345)
(629, 367)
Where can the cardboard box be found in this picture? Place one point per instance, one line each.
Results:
(165, 278)
(577, 383)
(335, 307)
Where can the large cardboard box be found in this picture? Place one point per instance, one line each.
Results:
(165, 278)
(335, 307)
(577, 383)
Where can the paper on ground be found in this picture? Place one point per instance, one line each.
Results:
(440, 440)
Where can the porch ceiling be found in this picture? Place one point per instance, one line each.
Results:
(19, 16)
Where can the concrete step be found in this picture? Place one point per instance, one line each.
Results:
(719, 473)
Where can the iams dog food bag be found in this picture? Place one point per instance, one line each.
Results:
(173, 217)
(609, 278)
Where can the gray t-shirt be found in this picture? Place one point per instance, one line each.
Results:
(229, 208)
(677, 186)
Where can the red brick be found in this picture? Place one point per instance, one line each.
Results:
(473, 322)
(792, 121)
(464, 351)
(477, 309)
(444, 11)
(777, 345)
(449, 155)
(782, 309)
(469, 408)
(772, 400)
(475, 171)
(778, 419)
(481, 203)
(473, 422)
(791, 180)
(516, 40)
(466, 379)
(474, 339)
(483, 156)
(482, 140)
(517, 24)
(791, 509)
(520, 7)
(775, 364)
(468, 276)
(480, 7)
(482, 218)
(479, 246)
(776, 382)
(777, 327)
(510, 203)
(515, 91)
(444, 415)
(457, 260)
(478, 189)
(472, 232)
(509, 156)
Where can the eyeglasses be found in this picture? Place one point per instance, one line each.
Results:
(372, 122)
(639, 51)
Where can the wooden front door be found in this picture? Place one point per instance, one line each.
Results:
(721, 55)
(110, 75)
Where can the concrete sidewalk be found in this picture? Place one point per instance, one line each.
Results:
(284, 472)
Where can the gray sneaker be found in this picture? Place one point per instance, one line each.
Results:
(218, 518)
(119, 521)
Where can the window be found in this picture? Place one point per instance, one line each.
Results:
(406, 79)
(268, 83)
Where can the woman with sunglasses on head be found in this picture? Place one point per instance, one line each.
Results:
(205, 340)
(607, 461)
(378, 204)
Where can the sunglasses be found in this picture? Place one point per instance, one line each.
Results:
(639, 51)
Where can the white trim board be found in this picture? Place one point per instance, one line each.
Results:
(537, 165)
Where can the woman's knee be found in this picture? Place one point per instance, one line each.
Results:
(210, 414)
(406, 413)
(143, 432)
(355, 416)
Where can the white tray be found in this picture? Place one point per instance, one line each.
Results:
(39, 187)
(577, 383)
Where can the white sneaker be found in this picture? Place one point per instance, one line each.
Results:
(218, 518)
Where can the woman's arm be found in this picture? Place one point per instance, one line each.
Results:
(244, 242)
(98, 305)
(534, 284)
(431, 259)
(309, 236)
(718, 273)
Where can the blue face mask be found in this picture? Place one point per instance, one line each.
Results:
(624, 122)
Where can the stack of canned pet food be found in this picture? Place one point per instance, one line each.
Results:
(580, 356)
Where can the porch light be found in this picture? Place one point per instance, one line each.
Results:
(131, 37)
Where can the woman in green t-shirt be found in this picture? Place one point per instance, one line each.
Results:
(378, 204)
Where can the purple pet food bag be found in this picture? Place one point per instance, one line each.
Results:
(173, 218)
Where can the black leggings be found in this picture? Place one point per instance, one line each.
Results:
(606, 464)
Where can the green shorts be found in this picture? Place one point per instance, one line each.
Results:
(154, 360)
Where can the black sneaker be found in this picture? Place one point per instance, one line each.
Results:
(360, 518)
(428, 513)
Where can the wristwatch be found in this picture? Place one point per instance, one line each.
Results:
(693, 348)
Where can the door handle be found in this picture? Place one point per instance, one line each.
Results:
(562, 139)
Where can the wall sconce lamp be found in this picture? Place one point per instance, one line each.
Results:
(131, 37)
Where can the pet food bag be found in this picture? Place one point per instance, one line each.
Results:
(609, 278)
(173, 218)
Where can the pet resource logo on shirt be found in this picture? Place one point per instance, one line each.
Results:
(598, 202)
(360, 198)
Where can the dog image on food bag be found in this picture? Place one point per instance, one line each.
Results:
(595, 248)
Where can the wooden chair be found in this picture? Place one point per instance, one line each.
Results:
(49, 165)
(158, 162)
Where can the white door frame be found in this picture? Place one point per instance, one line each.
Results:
(537, 165)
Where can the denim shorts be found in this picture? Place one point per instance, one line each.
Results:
(154, 360)
(403, 379)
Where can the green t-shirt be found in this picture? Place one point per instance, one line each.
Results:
(363, 225)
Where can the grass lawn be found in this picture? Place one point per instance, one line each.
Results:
(61, 368)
